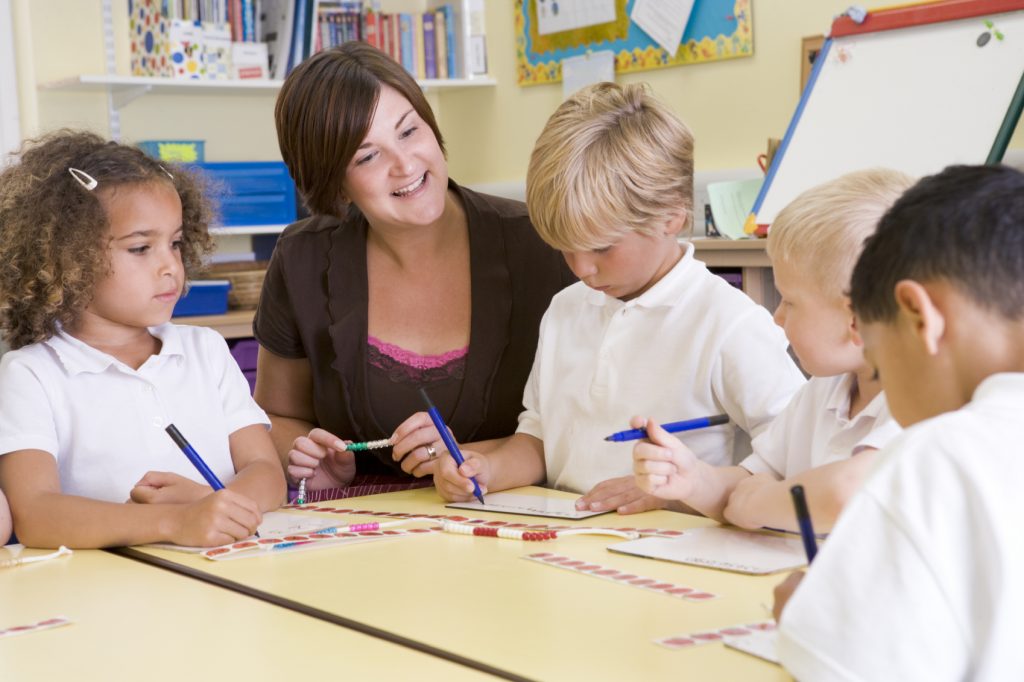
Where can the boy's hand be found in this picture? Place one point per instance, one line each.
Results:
(164, 487)
(741, 510)
(620, 494)
(662, 464)
(410, 442)
(217, 519)
(783, 592)
(452, 482)
(321, 459)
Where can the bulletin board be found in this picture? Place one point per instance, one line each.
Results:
(717, 29)
(911, 88)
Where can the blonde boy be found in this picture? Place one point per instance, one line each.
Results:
(826, 437)
(923, 577)
(648, 328)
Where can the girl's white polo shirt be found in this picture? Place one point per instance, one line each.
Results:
(104, 421)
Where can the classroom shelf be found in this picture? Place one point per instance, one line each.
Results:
(234, 324)
(124, 89)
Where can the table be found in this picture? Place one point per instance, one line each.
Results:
(478, 597)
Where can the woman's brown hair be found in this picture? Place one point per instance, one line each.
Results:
(324, 111)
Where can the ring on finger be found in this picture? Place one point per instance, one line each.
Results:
(431, 452)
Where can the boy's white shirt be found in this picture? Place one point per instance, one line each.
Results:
(104, 421)
(816, 429)
(690, 346)
(923, 576)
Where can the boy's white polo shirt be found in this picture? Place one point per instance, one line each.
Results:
(816, 429)
(690, 346)
(104, 421)
(923, 576)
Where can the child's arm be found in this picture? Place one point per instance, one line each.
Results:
(259, 476)
(517, 462)
(45, 517)
(762, 501)
(668, 469)
(6, 525)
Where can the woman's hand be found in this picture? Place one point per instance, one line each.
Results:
(452, 482)
(322, 460)
(417, 445)
(164, 487)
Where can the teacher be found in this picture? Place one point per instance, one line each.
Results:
(401, 280)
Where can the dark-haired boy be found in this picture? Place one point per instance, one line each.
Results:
(923, 576)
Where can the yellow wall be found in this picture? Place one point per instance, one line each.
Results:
(732, 106)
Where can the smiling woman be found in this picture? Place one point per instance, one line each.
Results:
(401, 280)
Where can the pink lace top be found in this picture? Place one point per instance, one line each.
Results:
(406, 367)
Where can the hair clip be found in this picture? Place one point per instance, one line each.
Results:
(84, 179)
(167, 172)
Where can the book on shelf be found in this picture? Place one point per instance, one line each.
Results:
(441, 44)
(429, 46)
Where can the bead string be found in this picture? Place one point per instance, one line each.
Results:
(11, 563)
(530, 535)
(301, 497)
(368, 445)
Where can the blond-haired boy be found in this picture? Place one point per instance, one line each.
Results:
(825, 437)
(923, 576)
(648, 328)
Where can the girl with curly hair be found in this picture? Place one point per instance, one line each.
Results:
(97, 241)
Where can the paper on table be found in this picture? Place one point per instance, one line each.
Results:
(760, 643)
(724, 548)
(274, 523)
(663, 20)
(527, 505)
(731, 203)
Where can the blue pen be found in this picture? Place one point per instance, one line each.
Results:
(803, 517)
(196, 460)
(193, 457)
(449, 442)
(671, 427)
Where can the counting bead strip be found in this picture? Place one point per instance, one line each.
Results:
(301, 497)
(621, 577)
(642, 532)
(325, 537)
(368, 445)
(527, 535)
(711, 636)
(55, 622)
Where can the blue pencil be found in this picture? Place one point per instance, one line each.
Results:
(803, 518)
(671, 427)
(449, 442)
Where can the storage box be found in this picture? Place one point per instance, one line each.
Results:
(251, 192)
(204, 297)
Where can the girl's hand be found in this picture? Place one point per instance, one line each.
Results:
(452, 482)
(413, 442)
(217, 519)
(322, 460)
(784, 591)
(164, 487)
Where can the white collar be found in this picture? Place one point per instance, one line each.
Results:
(665, 291)
(79, 357)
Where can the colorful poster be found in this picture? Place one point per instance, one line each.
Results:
(716, 29)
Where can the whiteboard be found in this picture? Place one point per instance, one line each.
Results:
(915, 99)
